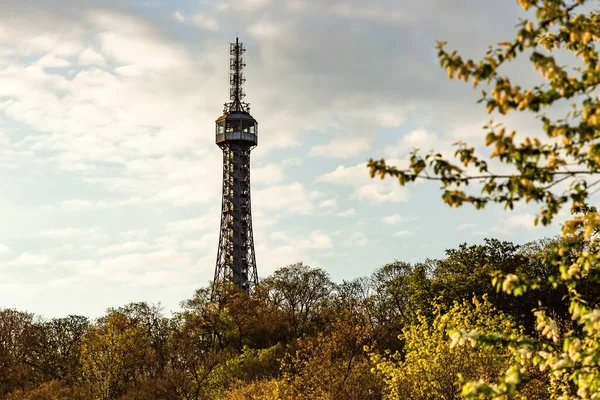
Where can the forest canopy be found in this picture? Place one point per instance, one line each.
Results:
(299, 335)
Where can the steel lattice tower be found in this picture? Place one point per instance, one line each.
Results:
(236, 135)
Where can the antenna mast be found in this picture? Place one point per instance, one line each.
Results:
(236, 78)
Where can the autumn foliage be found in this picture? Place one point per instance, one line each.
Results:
(298, 335)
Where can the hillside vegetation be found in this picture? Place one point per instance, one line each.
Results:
(300, 336)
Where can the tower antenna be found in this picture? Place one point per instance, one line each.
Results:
(236, 78)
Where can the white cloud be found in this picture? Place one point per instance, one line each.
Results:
(379, 194)
(154, 268)
(202, 223)
(255, 3)
(120, 33)
(131, 246)
(402, 234)
(90, 234)
(267, 174)
(85, 205)
(178, 16)
(293, 197)
(329, 203)
(347, 213)
(396, 219)
(267, 30)
(367, 189)
(76, 205)
(77, 264)
(52, 61)
(29, 260)
(342, 147)
(4, 249)
(279, 248)
(207, 242)
(206, 22)
(316, 241)
(420, 139)
(279, 237)
(369, 11)
(515, 222)
(51, 33)
(65, 248)
(134, 234)
(91, 57)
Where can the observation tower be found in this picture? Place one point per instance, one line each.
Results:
(236, 134)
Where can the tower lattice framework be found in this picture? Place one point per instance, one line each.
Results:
(236, 135)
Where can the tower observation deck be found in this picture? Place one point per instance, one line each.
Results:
(236, 134)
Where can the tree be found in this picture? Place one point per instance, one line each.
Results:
(52, 390)
(301, 293)
(429, 368)
(467, 271)
(114, 354)
(55, 347)
(15, 369)
(566, 156)
(333, 365)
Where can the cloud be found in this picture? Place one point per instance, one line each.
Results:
(202, 223)
(378, 194)
(316, 240)
(279, 237)
(255, 3)
(293, 197)
(207, 242)
(365, 189)
(395, 219)
(54, 30)
(342, 147)
(206, 22)
(99, 117)
(29, 260)
(374, 12)
(329, 203)
(88, 234)
(417, 139)
(278, 249)
(267, 174)
(52, 61)
(91, 57)
(515, 222)
(267, 30)
(402, 234)
(4, 249)
(77, 265)
(347, 213)
(131, 246)
(149, 269)
(178, 16)
(77, 204)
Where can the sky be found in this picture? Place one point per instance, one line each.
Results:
(110, 179)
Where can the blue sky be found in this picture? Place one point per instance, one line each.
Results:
(110, 177)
